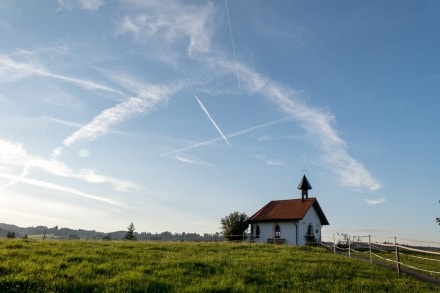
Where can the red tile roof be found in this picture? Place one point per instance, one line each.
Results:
(289, 209)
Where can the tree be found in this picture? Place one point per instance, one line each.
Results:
(343, 243)
(130, 233)
(10, 235)
(234, 225)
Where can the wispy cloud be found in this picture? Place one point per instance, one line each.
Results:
(377, 201)
(18, 178)
(92, 176)
(212, 120)
(63, 122)
(14, 154)
(81, 4)
(270, 162)
(58, 48)
(317, 123)
(61, 188)
(12, 70)
(146, 100)
(191, 161)
(80, 125)
(171, 22)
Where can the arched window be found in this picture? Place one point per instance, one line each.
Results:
(310, 230)
(277, 231)
(310, 236)
(257, 232)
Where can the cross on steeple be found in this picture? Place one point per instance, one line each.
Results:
(304, 186)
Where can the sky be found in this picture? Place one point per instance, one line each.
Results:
(173, 114)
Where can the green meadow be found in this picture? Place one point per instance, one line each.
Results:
(116, 266)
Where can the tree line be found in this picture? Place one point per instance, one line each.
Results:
(232, 228)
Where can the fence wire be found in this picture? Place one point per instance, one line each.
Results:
(388, 248)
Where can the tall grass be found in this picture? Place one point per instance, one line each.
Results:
(37, 266)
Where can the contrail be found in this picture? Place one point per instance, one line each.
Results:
(212, 120)
(232, 42)
(17, 179)
(234, 134)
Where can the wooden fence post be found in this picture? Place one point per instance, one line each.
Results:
(334, 244)
(369, 245)
(397, 256)
(349, 247)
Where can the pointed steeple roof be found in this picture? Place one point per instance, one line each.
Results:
(304, 186)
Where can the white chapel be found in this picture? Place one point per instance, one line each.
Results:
(289, 221)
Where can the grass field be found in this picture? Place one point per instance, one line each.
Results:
(87, 266)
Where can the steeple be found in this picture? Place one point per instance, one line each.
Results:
(304, 186)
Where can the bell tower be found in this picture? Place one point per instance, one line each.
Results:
(304, 186)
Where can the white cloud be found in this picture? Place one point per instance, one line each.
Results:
(317, 123)
(270, 162)
(78, 125)
(81, 4)
(92, 176)
(12, 70)
(146, 100)
(264, 137)
(112, 116)
(192, 161)
(14, 154)
(59, 48)
(274, 162)
(376, 201)
(61, 188)
(171, 21)
(63, 122)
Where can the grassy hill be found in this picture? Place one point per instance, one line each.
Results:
(113, 266)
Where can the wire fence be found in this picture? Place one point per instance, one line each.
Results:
(413, 255)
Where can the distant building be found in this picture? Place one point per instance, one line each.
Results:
(290, 221)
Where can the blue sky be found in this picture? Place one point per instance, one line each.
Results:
(173, 114)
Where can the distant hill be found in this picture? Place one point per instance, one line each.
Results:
(67, 233)
(55, 232)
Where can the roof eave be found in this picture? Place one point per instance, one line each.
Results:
(274, 220)
(320, 213)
